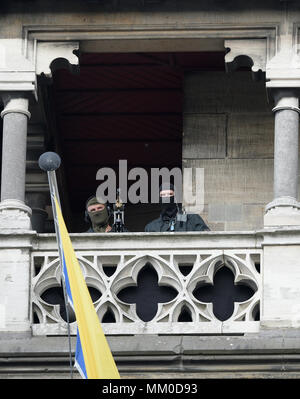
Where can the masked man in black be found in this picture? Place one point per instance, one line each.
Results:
(171, 217)
(97, 214)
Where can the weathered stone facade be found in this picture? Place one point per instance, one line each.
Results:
(240, 126)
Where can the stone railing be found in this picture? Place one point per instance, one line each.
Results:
(184, 265)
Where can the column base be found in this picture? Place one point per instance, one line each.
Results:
(14, 214)
(283, 211)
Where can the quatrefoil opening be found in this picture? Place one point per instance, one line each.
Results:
(55, 296)
(224, 293)
(147, 294)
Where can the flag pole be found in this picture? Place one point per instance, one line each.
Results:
(49, 162)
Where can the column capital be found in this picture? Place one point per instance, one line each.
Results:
(285, 99)
(15, 102)
(281, 93)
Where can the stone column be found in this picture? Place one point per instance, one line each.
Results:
(15, 234)
(281, 245)
(13, 211)
(284, 210)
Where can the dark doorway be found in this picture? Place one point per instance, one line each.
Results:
(122, 106)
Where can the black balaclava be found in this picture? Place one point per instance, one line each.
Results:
(168, 204)
(99, 219)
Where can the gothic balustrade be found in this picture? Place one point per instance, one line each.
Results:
(154, 283)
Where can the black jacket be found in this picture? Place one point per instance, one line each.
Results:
(194, 223)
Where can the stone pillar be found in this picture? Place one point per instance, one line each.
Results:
(13, 211)
(281, 246)
(15, 234)
(286, 145)
(284, 210)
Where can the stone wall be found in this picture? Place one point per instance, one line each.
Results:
(229, 131)
(268, 355)
(16, 13)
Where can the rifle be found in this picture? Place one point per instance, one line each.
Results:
(118, 225)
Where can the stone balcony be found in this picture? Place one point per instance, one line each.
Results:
(259, 337)
(184, 263)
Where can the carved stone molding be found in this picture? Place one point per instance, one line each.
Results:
(21, 63)
(246, 52)
(53, 55)
(150, 30)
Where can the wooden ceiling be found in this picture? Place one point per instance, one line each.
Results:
(122, 106)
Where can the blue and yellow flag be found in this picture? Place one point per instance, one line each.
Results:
(93, 357)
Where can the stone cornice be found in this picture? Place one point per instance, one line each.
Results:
(253, 44)
(256, 41)
(121, 31)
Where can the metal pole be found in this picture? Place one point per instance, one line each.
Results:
(54, 194)
(49, 162)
